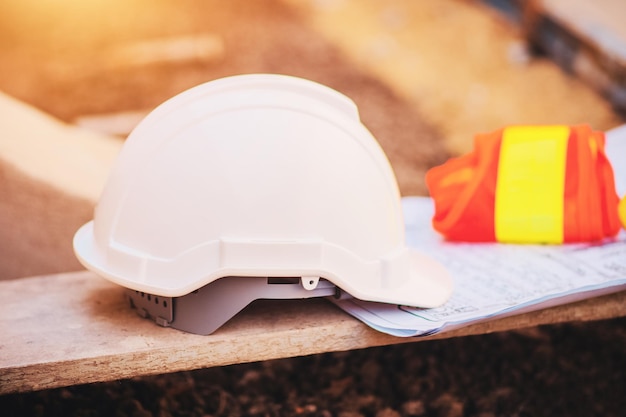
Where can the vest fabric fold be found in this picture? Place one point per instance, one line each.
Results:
(527, 184)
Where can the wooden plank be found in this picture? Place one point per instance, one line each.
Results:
(51, 175)
(62, 150)
(585, 38)
(599, 23)
(76, 328)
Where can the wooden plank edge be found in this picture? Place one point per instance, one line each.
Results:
(231, 345)
(225, 348)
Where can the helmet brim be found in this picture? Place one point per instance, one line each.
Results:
(429, 285)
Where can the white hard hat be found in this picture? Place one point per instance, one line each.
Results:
(255, 176)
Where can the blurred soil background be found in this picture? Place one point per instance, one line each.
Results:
(426, 75)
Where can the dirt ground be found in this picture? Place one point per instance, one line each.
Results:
(426, 77)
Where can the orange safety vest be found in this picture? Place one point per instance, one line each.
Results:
(527, 184)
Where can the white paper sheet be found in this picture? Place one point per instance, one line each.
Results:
(493, 280)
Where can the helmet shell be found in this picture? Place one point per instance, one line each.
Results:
(256, 176)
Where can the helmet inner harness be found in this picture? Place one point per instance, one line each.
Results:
(253, 187)
(205, 310)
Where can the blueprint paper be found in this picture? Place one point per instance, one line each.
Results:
(492, 280)
(616, 152)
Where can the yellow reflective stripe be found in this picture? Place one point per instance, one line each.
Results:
(530, 185)
(621, 211)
